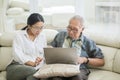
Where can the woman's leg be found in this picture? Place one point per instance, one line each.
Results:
(20, 72)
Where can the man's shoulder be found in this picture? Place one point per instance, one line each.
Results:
(59, 39)
(62, 32)
(87, 40)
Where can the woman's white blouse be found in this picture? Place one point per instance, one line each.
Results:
(26, 50)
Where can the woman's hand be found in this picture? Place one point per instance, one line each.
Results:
(34, 64)
(38, 60)
(30, 63)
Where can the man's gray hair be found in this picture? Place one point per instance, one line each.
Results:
(77, 17)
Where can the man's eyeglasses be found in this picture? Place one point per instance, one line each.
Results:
(73, 30)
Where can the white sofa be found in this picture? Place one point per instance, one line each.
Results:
(109, 43)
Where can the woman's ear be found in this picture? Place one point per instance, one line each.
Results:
(28, 27)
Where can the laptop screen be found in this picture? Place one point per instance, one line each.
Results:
(60, 55)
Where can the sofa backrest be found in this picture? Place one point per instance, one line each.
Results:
(6, 40)
(108, 39)
(104, 35)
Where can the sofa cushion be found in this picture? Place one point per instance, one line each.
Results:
(116, 63)
(103, 75)
(109, 54)
(52, 70)
(5, 57)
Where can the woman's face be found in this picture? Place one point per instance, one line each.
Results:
(36, 28)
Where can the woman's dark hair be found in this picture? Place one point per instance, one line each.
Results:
(33, 18)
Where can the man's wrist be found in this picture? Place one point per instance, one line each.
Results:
(87, 61)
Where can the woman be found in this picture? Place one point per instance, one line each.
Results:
(28, 50)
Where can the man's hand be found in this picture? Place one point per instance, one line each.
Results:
(82, 60)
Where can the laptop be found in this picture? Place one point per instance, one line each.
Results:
(60, 55)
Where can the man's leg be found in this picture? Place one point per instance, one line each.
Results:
(56, 78)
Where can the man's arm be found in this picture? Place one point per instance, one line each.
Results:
(95, 55)
(97, 58)
(96, 62)
(91, 61)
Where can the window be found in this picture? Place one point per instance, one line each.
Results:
(108, 12)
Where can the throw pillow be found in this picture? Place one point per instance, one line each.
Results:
(52, 70)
